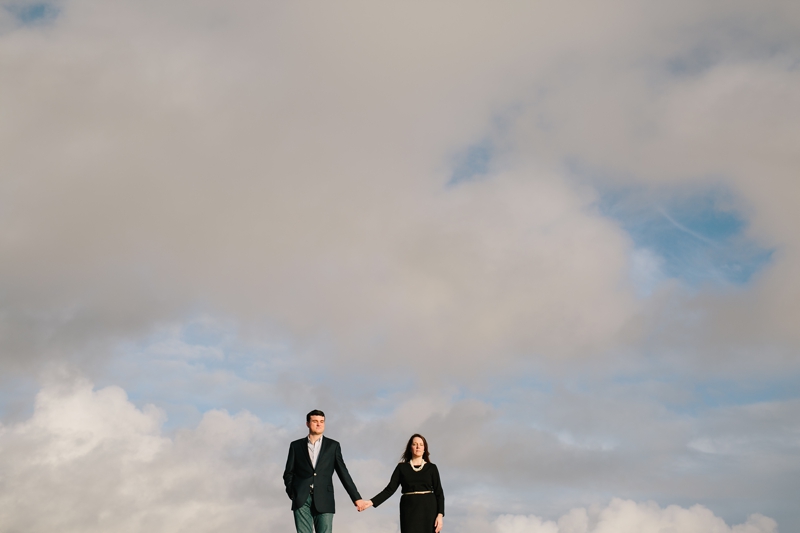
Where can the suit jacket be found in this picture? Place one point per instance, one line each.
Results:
(300, 475)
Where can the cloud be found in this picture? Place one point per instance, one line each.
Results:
(160, 193)
(625, 516)
(89, 460)
(256, 162)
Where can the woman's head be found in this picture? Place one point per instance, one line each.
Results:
(417, 445)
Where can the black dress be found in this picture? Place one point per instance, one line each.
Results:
(417, 511)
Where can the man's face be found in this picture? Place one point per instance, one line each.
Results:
(316, 425)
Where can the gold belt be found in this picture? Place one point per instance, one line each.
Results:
(419, 492)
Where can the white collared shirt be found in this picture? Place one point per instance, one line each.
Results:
(313, 450)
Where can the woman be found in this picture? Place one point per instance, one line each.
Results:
(422, 503)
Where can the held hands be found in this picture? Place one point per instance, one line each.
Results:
(363, 505)
(437, 526)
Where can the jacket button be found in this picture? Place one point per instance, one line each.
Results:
(315, 473)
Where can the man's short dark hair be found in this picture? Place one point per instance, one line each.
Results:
(315, 412)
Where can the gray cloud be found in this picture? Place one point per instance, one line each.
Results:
(161, 159)
(151, 175)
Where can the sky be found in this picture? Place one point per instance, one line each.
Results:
(559, 239)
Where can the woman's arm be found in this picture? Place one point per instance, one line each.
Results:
(439, 493)
(390, 489)
(437, 490)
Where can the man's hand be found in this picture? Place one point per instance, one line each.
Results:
(362, 505)
(437, 526)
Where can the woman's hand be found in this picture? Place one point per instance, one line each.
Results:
(438, 524)
(363, 505)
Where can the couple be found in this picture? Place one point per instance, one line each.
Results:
(309, 483)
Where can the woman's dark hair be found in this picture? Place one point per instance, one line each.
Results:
(315, 412)
(407, 454)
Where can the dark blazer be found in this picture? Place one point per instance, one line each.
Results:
(300, 475)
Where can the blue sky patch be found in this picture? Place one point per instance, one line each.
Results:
(721, 393)
(472, 162)
(685, 395)
(698, 238)
(37, 13)
(692, 63)
(16, 399)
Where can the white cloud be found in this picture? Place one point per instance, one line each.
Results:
(90, 461)
(625, 516)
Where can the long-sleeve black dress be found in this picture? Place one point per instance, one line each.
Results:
(417, 511)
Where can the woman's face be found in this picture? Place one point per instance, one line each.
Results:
(417, 447)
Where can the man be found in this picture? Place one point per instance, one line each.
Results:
(309, 478)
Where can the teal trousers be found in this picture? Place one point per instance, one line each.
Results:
(308, 520)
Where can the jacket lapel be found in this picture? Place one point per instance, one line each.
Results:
(322, 449)
(304, 452)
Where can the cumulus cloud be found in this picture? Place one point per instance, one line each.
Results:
(625, 516)
(89, 460)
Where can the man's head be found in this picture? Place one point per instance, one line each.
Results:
(315, 420)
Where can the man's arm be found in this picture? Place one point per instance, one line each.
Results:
(344, 477)
(288, 473)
